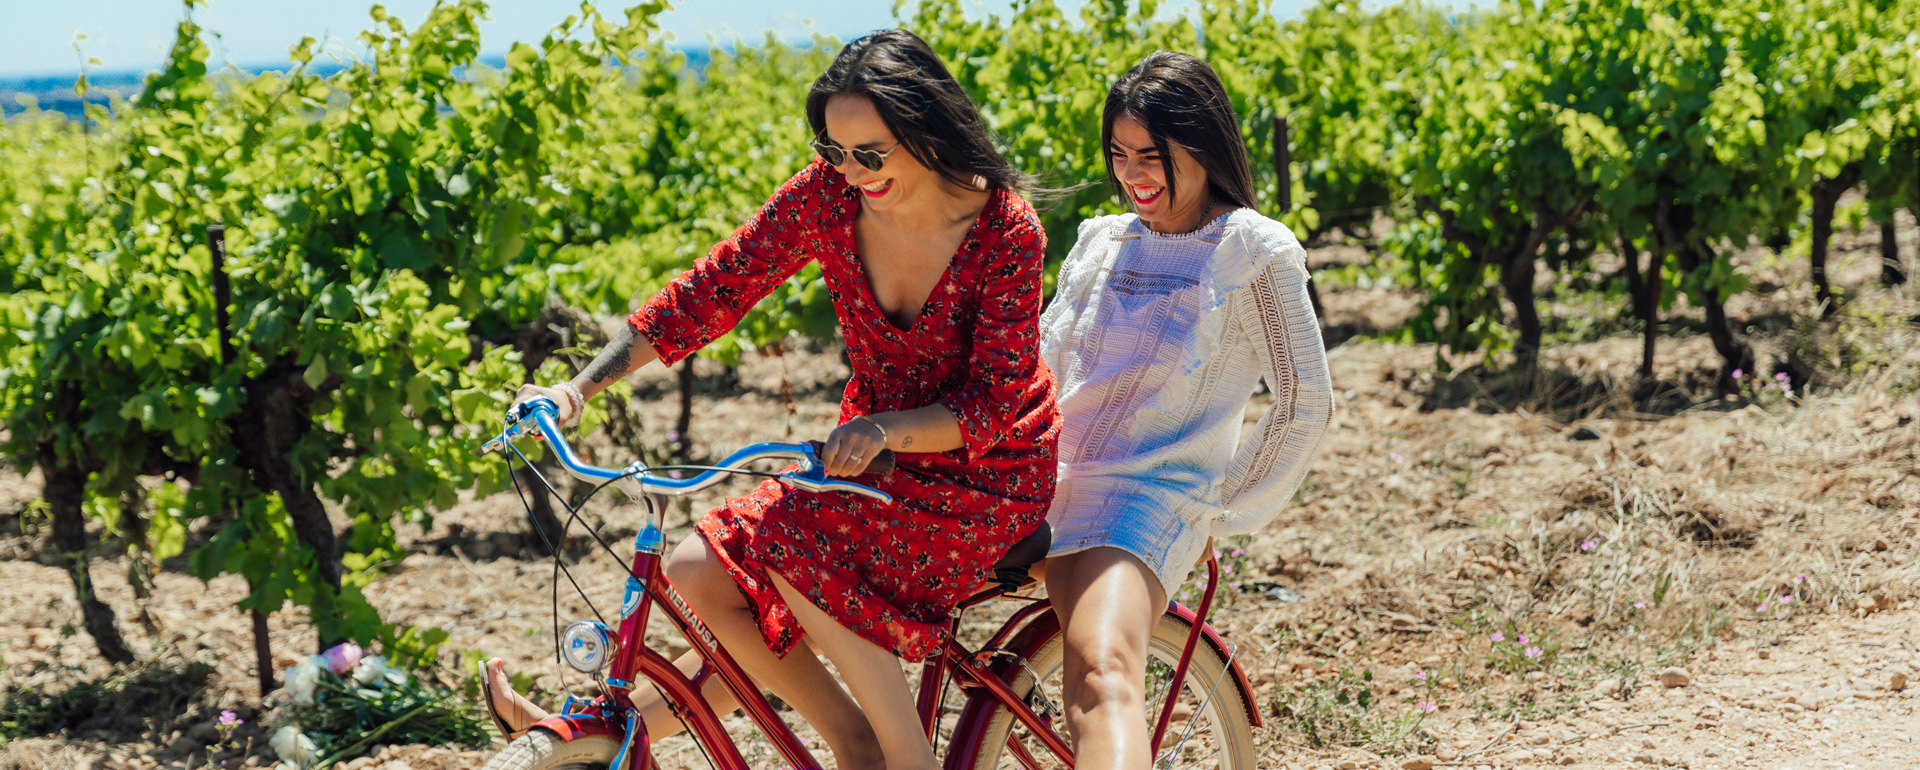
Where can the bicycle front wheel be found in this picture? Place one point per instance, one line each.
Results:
(1210, 728)
(542, 750)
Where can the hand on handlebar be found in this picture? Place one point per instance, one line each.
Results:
(852, 447)
(567, 417)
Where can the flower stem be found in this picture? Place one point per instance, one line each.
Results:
(371, 737)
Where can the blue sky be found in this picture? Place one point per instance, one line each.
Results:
(37, 37)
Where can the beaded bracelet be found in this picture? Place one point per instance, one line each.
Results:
(578, 399)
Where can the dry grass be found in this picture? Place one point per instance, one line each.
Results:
(1448, 508)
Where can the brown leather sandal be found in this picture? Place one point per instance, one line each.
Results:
(486, 691)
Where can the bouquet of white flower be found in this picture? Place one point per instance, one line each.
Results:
(346, 702)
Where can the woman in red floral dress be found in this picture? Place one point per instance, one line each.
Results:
(933, 263)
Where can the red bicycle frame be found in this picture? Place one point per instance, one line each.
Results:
(986, 672)
(614, 715)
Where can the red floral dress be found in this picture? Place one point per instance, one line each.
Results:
(891, 573)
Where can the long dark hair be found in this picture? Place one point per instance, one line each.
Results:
(921, 104)
(1180, 101)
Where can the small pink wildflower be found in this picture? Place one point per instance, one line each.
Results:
(1787, 599)
(1425, 706)
(1398, 459)
(1238, 552)
(1533, 652)
(1421, 675)
(1798, 579)
(1639, 605)
(1737, 374)
(341, 658)
(1588, 545)
(1763, 608)
(1498, 637)
(230, 719)
(1521, 640)
(1780, 376)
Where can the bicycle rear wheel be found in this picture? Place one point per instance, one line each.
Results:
(542, 750)
(1214, 734)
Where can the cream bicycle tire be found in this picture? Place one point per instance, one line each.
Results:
(1225, 709)
(542, 750)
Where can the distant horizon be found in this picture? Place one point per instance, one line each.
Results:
(131, 36)
(104, 78)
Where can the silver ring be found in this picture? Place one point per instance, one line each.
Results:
(855, 458)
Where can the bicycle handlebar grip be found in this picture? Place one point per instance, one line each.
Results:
(881, 465)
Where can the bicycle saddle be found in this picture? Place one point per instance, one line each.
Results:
(1010, 572)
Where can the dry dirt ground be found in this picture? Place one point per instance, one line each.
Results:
(1622, 528)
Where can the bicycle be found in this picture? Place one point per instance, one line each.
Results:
(1010, 684)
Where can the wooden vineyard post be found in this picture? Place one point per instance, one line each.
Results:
(1282, 166)
(222, 297)
(1283, 198)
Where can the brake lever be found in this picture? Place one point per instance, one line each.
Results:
(517, 421)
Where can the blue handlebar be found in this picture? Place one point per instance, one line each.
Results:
(544, 415)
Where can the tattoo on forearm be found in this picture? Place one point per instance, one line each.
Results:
(906, 441)
(617, 360)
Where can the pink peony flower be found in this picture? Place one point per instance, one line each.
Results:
(341, 658)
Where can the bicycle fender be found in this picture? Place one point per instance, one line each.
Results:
(1219, 644)
(572, 727)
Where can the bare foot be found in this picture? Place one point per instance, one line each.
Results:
(515, 712)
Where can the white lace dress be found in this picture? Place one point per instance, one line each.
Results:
(1158, 341)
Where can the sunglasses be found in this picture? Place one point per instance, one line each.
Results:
(837, 155)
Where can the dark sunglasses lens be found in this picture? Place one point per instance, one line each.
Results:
(872, 160)
(833, 155)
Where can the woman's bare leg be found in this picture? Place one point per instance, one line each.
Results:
(874, 676)
(799, 678)
(1108, 602)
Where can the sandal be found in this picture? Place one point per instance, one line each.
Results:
(486, 692)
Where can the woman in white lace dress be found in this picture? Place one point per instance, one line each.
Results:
(1162, 323)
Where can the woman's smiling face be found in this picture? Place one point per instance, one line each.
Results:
(1142, 172)
(853, 123)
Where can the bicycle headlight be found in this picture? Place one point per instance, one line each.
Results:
(586, 646)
